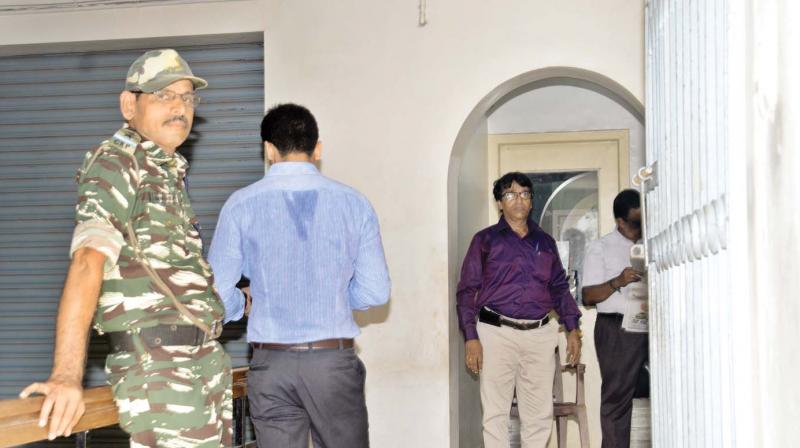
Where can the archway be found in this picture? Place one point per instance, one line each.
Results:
(464, 398)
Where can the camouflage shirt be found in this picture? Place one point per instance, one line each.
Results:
(164, 223)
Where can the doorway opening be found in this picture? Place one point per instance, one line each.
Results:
(512, 129)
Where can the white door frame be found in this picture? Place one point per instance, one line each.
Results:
(606, 152)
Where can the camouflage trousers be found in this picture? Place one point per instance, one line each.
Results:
(173, 396)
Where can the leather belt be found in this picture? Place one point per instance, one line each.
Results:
(488, 316)
(160, 335)
(339, 344)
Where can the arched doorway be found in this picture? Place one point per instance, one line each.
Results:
(468, 208)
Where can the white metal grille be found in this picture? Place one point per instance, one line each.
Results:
(687, 128)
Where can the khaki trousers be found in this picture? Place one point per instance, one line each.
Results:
(521, 359)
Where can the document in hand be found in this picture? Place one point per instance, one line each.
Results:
(635, 318)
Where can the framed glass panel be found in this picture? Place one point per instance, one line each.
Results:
(566, 206)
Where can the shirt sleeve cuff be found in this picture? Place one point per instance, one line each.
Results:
(470, 333)
(234, 306)
(570, 323)
(100, 236)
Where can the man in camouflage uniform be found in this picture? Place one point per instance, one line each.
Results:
(137, 267)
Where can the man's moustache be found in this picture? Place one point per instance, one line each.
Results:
(180, 118)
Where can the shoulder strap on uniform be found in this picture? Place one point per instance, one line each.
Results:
(124, 141)
(211, 332)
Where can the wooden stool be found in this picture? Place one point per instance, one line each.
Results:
(564, 409)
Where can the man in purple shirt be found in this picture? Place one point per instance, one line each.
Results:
(511, 279)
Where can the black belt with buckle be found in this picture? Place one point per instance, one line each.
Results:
(160, 335)
(488, 316)
(339, 344)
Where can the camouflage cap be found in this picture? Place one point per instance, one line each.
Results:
(157, 69)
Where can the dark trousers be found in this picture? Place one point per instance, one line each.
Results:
(621, 356)
(292, 393)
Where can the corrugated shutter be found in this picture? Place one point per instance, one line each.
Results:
(53, 108)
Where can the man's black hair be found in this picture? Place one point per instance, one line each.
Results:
(290, 128)
(626, 201)
(504, 183)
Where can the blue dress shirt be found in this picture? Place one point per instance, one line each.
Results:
(312, 250)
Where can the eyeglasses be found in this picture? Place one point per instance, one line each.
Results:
(635, 224)
(509, 196)
(190, 99)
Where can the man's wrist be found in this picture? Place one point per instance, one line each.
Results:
(66, 379)
(613, 286)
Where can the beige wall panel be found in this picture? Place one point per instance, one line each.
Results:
(391, 97)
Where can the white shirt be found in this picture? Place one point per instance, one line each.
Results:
(605, 259)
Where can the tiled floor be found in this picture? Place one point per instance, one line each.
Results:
(640, 423)
(640, 426)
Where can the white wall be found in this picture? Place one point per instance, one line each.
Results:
(21, 32)
(564, 109)
(391, 97)
(765, 217)
(472, 212)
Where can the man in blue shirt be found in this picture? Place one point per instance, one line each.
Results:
(312, 250)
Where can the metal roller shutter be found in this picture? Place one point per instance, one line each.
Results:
(53, 108)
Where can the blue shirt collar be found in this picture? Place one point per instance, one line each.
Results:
(291, 168)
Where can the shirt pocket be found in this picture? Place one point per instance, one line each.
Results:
(542, 268)
(159, 228)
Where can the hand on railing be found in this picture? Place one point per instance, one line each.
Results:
(63, 405)
(19, 418)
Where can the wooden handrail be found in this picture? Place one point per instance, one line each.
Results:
(19, 418)
(240, 382)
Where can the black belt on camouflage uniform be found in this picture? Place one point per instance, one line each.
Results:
(160, 335)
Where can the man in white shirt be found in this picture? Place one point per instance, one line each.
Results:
(621, 354)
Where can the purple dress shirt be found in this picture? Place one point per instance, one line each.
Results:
(517, 277)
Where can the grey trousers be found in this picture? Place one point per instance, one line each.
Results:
(621, 356)
(294, 393)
